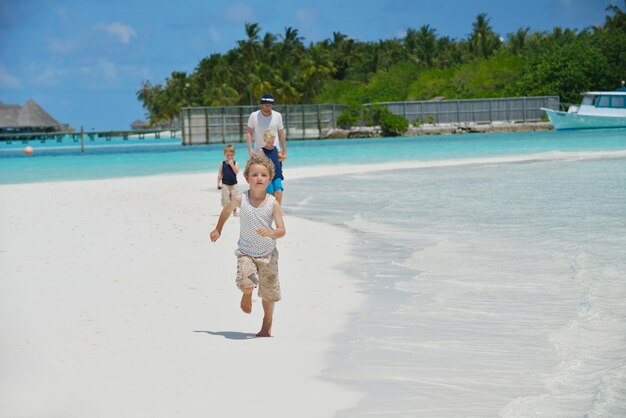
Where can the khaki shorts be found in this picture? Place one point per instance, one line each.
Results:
(228, 193)
(261, 272)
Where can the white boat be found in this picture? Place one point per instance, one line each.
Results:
(599, 109)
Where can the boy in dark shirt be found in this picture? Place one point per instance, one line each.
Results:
(227, 177)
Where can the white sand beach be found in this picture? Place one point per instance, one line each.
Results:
(492, 287)
(114, 303)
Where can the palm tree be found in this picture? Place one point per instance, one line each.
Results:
(344, 53)
(291, 45)
(483, 41)
(250, 46)
(618, 20)
(260, 79)
(144, 93)
(269, 51)
(176, 94)
(422, 44)
(317, 69)
(221, 95)
(387, 53)
(286, 86)
(517, 41)
(450, 52)
(148, 94)
(249, 53)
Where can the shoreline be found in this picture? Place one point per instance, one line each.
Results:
(443, 129)
(117, 288)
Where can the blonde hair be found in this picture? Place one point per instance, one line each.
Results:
(269, 134)
(229, 148)
(259, 159)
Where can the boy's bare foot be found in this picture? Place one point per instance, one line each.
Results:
(246, 302)
(266, 329)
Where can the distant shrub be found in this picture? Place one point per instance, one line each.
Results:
(372, 115)
(393, 125)
(349, 117)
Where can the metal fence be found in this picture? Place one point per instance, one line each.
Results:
(226, 124)
(517, 109)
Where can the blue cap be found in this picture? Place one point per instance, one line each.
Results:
(267, 98)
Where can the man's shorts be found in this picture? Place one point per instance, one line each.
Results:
(276, 184)
(261, 272)
(228, 193)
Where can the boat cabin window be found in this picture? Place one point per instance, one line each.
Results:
(602, 101)
(618, 101)
(610, 101)
(588, 100)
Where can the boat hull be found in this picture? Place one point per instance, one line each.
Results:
(564, 120)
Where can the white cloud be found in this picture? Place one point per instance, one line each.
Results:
(108, 69)
(239, 13)
(306, 17)
(63, 47)
(121, 32)
(8, 80)
(62, 12)
(49, 76)
(214, 34)
(100, 70)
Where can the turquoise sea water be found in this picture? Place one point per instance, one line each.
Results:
(166, 156)
(493, 289)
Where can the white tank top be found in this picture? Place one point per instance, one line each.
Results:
(251, 218)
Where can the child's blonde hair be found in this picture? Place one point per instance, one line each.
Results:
(269, 134)
(260, 159)
(229, 148)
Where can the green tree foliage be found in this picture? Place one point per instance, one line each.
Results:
(391, 84)
(374, 115)
(588, 61)
(422, 44)
(350, 116)
(616, 21)
(483, 41)
(480, 78)
(393, 125)
(420, 66)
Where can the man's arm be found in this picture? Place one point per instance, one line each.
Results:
(249, 140)
(283, 141)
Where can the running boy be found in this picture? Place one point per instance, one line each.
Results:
(227, 176)
(257, 257)
(276, 185)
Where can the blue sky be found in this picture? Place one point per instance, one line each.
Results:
(84, 60)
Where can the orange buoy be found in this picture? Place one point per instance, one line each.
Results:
(29, 150)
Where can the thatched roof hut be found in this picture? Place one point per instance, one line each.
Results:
(28, 118)
(138, 125)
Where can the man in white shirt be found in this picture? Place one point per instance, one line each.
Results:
(263, 119)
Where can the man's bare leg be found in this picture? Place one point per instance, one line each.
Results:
(246, 300)
(268, 315)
